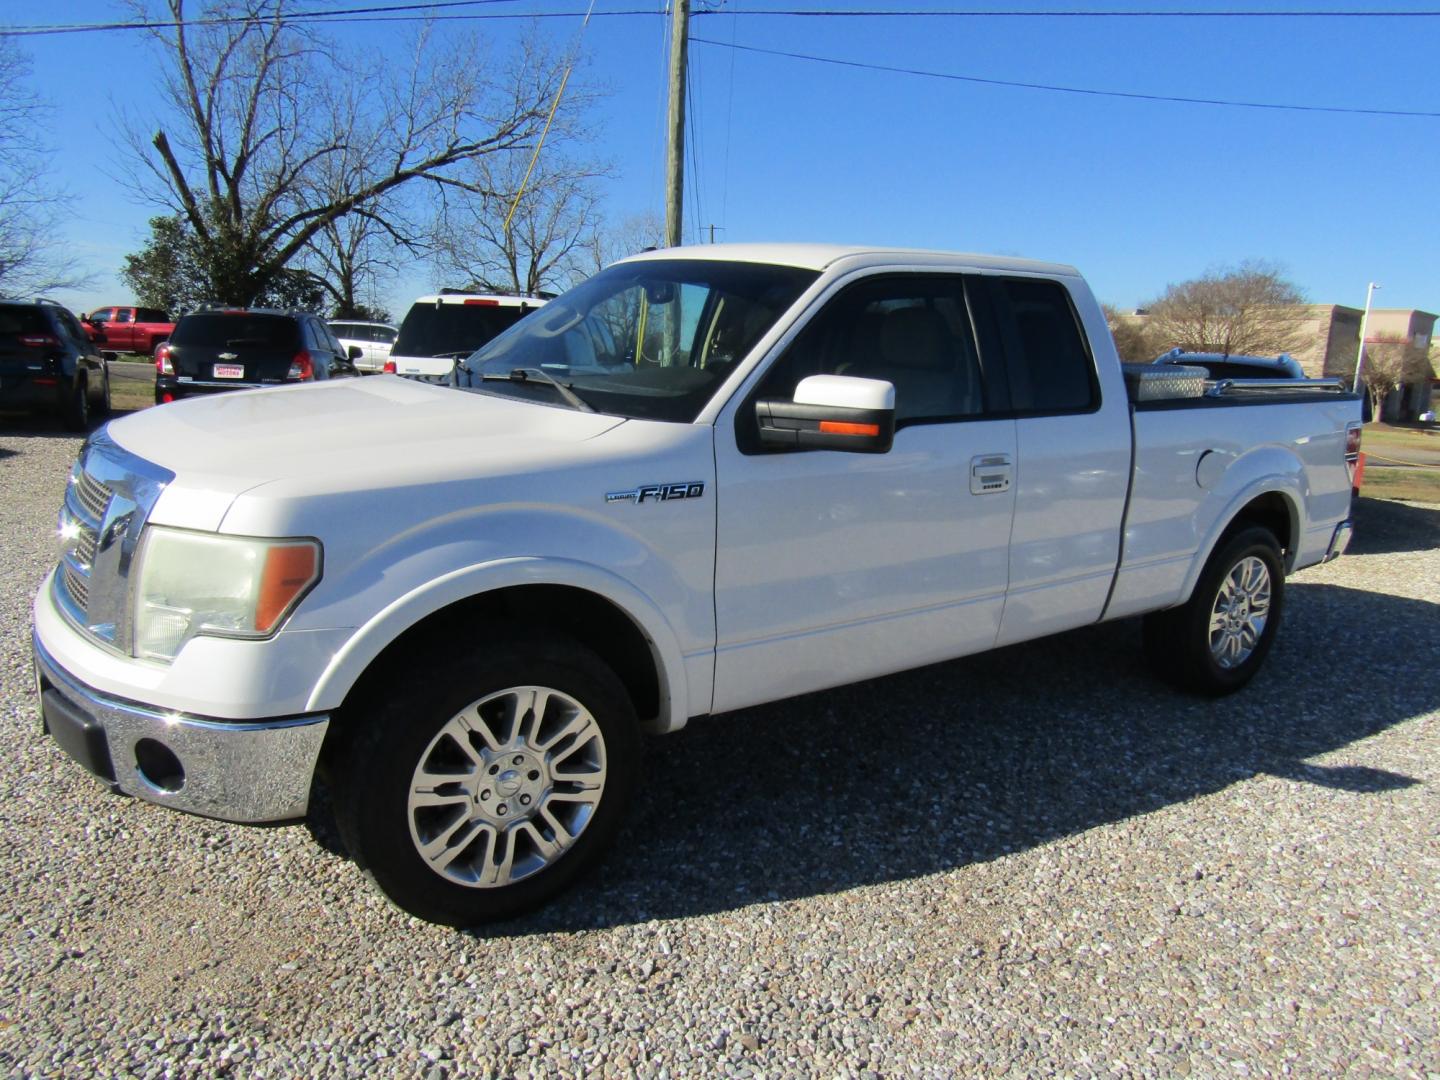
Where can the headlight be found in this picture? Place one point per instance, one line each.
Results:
(227, 586)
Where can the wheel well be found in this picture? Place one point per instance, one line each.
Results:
(1269, 511)
(587, 617)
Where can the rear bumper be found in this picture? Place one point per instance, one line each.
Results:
(21, 391)
(253, 771)
(1340, 540)
(178, 388)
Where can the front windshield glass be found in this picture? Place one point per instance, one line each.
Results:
(650, 339)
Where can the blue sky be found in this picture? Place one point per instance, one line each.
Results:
(1137, 194)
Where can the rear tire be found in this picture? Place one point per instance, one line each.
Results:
(1216, 642)
(76, 412)
(477, 788)
(104, 408)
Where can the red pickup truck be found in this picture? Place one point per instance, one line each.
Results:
(131, 329)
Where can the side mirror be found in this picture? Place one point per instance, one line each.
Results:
(354, 352)
(832, 412)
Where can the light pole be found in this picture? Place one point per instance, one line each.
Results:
(1360, 355)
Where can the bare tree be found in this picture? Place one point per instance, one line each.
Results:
(268, 139)
(1132, 336)
(32, 207)
(607, 243)
(1386, 364)
(1231, 310)
(542, 246)
(351, 258)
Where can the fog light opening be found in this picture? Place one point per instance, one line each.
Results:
(158, 766)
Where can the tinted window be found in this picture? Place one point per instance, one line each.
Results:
(151, 315)
(383, 334)
(913, 332)
(103, 315)
(17, 319)
(349, 330)
(269, 331)
(1050, 367)
(124, 315)
(453, 329)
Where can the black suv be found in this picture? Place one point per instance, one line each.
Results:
(49, 364)
(237, 349)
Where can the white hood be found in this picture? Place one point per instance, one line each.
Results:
(339, 436)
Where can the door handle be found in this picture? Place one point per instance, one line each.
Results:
(990, 473)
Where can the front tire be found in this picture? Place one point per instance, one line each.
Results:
(478, 788)
(1216, 642)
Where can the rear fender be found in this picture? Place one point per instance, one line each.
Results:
(1265, 471)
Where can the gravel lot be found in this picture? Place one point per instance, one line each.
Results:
(1032, 862)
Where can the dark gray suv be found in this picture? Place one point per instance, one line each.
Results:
(48, 363)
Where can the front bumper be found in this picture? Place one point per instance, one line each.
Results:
(244, 771)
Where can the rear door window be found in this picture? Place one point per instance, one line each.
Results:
(26, 319)
(1050, 367)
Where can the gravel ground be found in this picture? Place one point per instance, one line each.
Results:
(1038, 861)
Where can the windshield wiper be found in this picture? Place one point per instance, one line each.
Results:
(526, 374)
(453, 354)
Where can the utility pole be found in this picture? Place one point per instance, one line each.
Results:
(675, 151)
(1364, 323)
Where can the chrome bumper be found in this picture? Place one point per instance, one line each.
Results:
(243, 771)
(1340, 541)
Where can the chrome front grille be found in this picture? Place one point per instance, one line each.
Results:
(92, 496)
(109, 498)
(76, 584)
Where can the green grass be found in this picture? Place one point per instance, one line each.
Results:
(1387, 438)
(1411, 485)
(130, 395)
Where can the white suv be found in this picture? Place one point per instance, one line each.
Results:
(441, 329)
(373, 339)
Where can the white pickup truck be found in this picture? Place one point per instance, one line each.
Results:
(705, 478)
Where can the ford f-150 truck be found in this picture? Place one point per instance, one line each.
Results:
(704, 479)
(131, 329)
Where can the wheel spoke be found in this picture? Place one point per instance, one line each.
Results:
(422, 798)
(577, 726)
(468, 723)
(547, 849)
(493, 870)
(442, 851)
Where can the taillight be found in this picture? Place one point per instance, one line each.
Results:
(389, 368)
(40, 341)
(1353, 432)
(301, 368)
(163, 366)
(1354, 460)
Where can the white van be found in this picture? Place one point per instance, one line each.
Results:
(441, 329)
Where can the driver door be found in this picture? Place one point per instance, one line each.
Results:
(835, 566)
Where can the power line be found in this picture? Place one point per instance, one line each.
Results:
(1064, 89)
(412, 12)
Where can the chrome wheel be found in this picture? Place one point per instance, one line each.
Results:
(507, 786)
(1241, 608)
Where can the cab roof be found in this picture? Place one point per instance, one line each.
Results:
(823, 256)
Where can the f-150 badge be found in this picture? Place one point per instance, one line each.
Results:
(657, 493)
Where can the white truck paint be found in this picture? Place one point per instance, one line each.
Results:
(749, 573)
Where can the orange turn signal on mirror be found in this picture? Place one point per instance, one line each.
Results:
(839, 427)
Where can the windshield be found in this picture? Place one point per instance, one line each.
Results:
(441, 329)
(650, 339)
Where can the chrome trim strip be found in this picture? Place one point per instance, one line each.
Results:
(244, 771)
(1340, 540)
